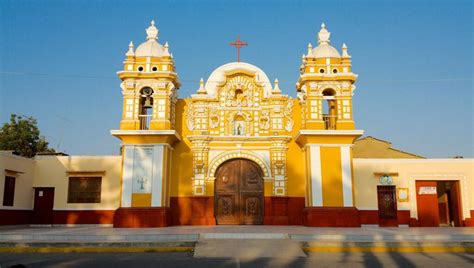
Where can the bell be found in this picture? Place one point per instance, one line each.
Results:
(147, 103)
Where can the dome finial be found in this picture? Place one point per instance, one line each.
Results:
(310, 51)
(323, 35)
(166, 52)
(276, 88)
(345, 54)
(201, 89)
(130, 52)
(152, 32)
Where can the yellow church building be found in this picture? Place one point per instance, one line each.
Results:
(238, 151)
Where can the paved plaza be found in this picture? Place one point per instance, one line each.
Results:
(194, 233)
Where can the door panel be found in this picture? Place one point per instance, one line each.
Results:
(239, 193)
(427, 204)
(455, 202)
(43, 207)
(387, 204)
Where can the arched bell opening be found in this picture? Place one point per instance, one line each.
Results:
(239, 192)
(329, 108)
(145, 108)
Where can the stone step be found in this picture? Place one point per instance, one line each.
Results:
(243, 236)
(248, 248)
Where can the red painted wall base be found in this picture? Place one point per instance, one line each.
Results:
(331, 217)
(83, 216)
(142, 217)
(197, 210)
(469, 222)
(15, 217)
(372, 217)
(283, 210)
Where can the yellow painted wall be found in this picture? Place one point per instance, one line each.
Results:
(24, 193)
(331, 172)
(370, 147)
(410, 170)
(50, 171)
(295, 160)
(182, 157)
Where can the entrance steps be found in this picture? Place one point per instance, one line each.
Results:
(248, 248)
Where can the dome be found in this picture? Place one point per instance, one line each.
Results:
(325, 51)
(324, 48)
(218, 76)
(150, 48)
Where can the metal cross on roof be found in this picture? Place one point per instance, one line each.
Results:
(238, 44)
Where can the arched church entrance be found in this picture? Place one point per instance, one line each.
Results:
(238, 193)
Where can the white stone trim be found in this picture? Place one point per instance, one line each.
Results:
(221, 158)
(329, 132)
(145, 132)
(316, 176)
(412, 160)
(157, 183)
(127, 175)
(346, 176)
(84, 208)
(464, 186)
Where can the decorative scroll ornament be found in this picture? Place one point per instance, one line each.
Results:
(213, 118)
(287, 112)
(190, 117)
(386, 180)
(264, 121)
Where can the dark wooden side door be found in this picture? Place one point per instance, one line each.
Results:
(387, 204)
(238, 194)
(43, 207)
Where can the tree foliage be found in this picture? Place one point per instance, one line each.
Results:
(23, 136)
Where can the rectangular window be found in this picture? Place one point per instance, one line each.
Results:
(84, 189)
(277, 123)
(9, 191)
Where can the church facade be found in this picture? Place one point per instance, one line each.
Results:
(239, 151)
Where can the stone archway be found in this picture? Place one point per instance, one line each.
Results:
(238, 192)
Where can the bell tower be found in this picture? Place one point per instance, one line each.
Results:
(325, 88)
(147, 131)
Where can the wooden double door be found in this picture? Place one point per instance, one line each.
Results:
(238, 196)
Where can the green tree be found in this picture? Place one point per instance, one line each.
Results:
(23, 136)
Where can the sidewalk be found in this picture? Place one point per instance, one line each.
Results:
(184, 238)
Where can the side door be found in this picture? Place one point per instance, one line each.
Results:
(387, 204)
(43, 207)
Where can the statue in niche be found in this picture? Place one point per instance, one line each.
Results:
(239, 128)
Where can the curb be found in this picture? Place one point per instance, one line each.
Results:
(96, 247)
(406, 247)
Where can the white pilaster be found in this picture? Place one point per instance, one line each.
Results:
(157, 184)
(316, 176)
(127, 175)
(346, 176)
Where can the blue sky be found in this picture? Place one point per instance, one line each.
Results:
(58, 61)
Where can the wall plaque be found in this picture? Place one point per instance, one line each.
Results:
(427, 190)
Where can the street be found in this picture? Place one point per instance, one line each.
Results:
(186, 260)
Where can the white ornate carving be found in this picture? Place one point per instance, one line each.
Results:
(213, 117)
(265, 120)
(190, 117)
(288, 114)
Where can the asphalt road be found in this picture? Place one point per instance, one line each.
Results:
(186, 260)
